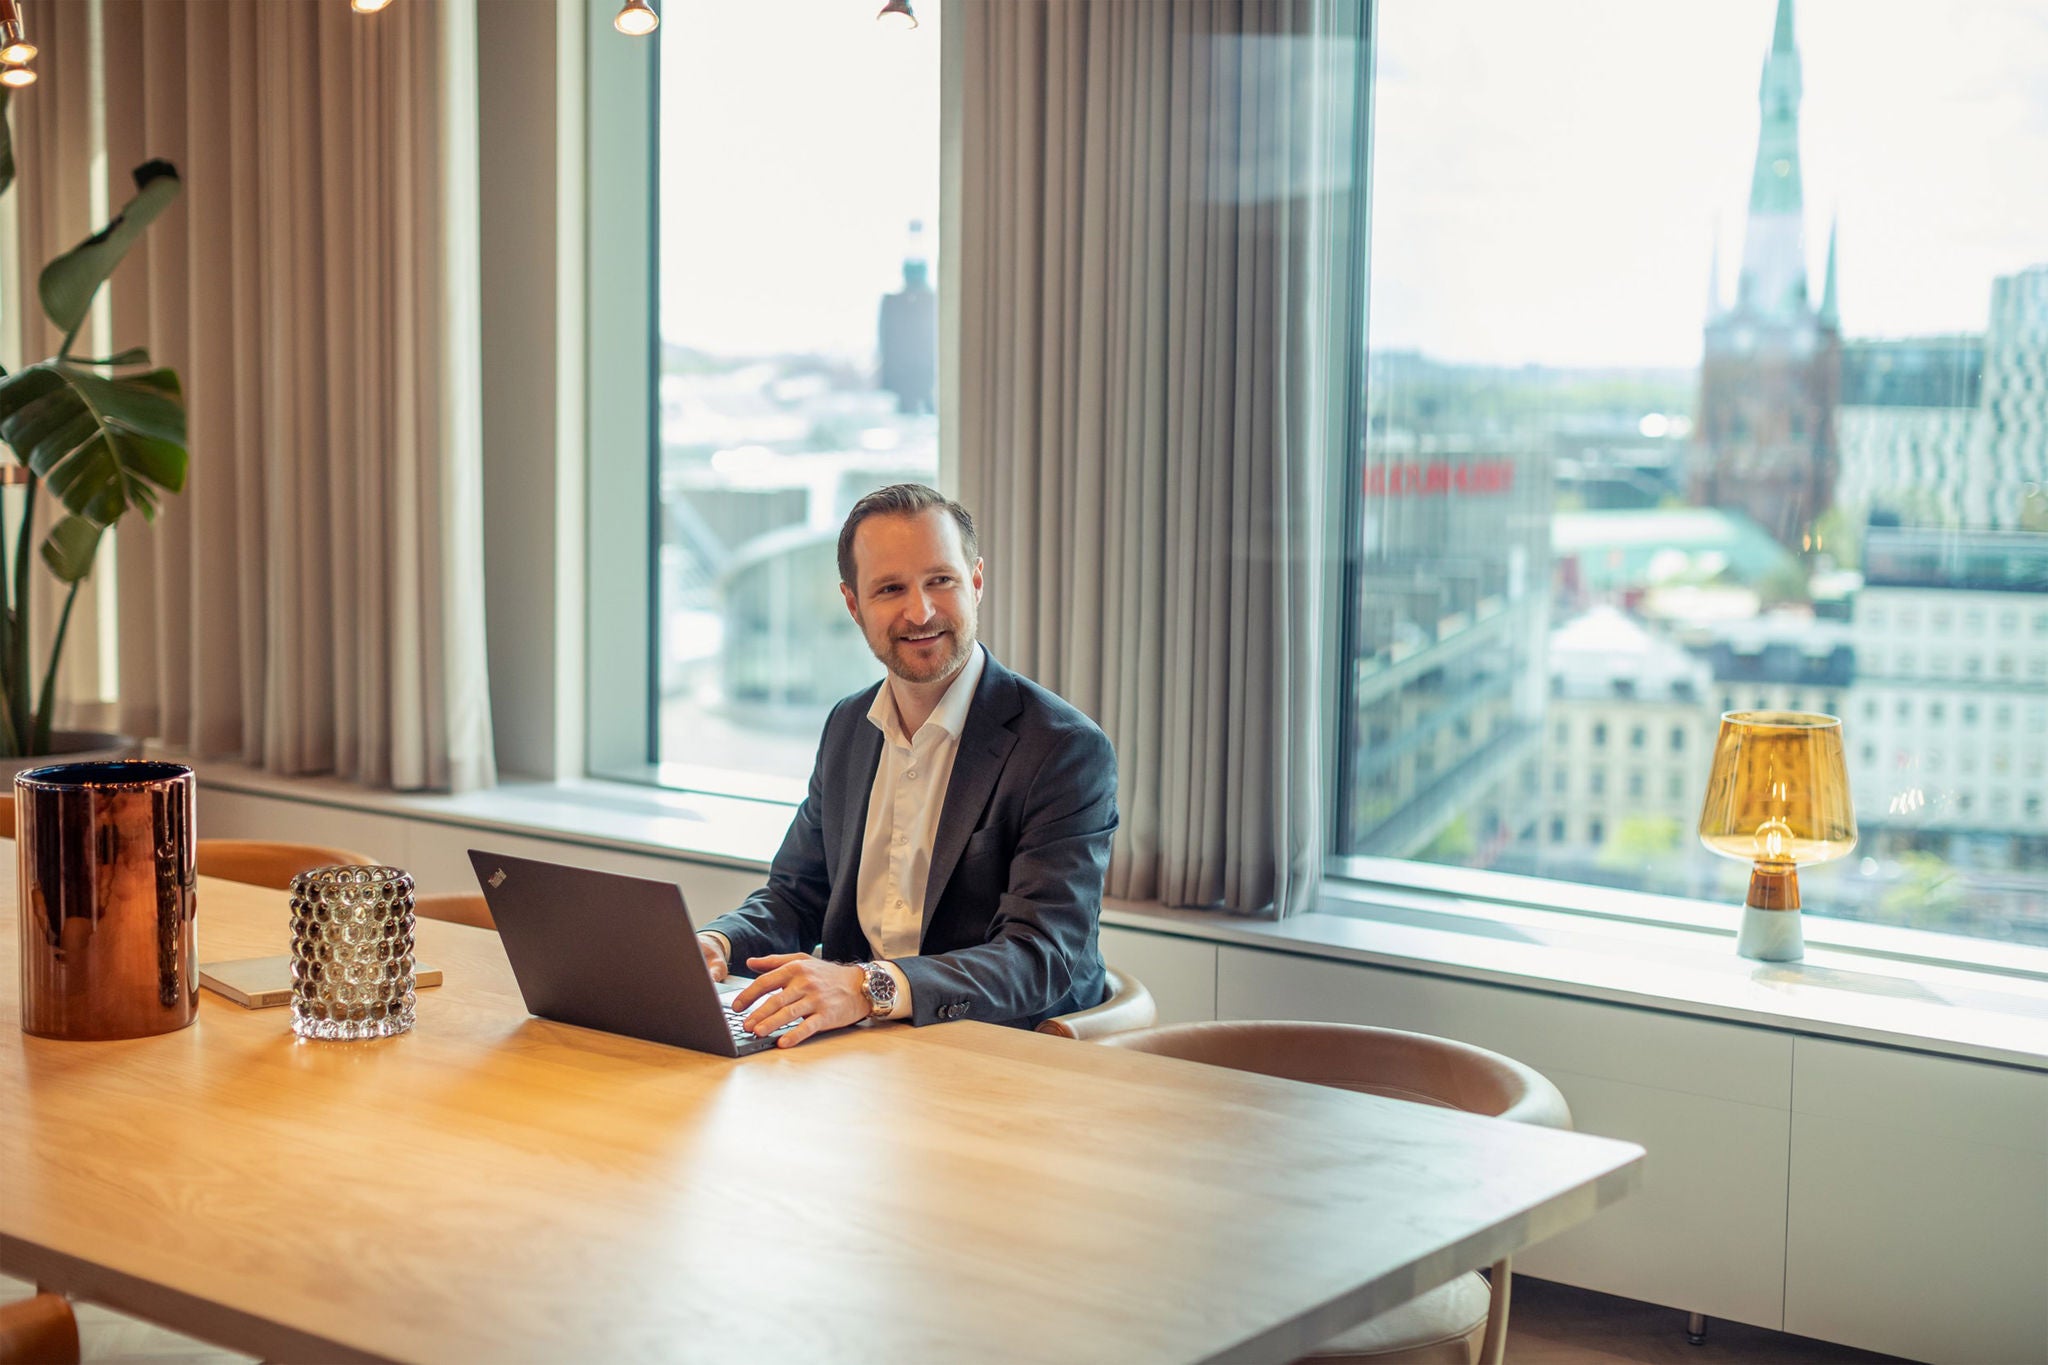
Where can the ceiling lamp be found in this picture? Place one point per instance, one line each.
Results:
(15, 49)
(367, 6)
(15, 77)
(637, 19)
(900, 9)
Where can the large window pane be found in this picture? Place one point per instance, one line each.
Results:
(799, 170)
(1708, 370)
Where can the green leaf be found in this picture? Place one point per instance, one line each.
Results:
(69, 282)
(134, 355)
(6, 144)
(70, 548)
(102, 445)
(146, 404)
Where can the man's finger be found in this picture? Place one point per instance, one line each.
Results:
(761, 964)
(802, 1031)
(786, 1008)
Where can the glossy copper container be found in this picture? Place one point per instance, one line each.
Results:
(108, 899)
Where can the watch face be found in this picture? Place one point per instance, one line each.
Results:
(881, 988)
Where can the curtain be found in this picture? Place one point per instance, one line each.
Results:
(313, 601)
(1145, 240)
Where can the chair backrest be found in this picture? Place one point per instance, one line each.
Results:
(457, 907)
(1375, 1061)
(1128, 1006)
(7, 816)
(38, 1331)
(263, 862)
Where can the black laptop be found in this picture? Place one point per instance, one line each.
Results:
(603, 951)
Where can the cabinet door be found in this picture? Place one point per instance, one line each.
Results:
(1919, 1205)
(1709, 1102)
(1180, 972)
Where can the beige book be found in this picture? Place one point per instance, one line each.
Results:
(258, 983)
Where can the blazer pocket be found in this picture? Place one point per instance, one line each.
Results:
(985, 845)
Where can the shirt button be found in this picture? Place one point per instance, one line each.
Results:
(912, 774)
(899, 839)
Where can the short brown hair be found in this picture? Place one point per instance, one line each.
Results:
(902, 500)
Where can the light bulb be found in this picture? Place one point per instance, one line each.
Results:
(17, 77)
(367, 6)
(637, 19)
(18, 53)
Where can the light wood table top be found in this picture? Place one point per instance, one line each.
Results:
(496, 1187)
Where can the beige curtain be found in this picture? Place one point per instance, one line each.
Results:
(313, 602)
(1144, 279)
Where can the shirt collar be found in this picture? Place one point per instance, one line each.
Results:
(949, 715)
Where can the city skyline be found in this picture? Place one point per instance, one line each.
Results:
(1619, 177)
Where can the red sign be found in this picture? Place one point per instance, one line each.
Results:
(1439, 478)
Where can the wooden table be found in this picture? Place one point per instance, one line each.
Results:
(495, 1187)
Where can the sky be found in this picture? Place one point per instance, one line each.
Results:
(799, 138)
(1547, 177)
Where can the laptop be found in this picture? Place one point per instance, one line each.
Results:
(604, 951)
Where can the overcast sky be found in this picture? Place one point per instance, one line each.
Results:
(1546, 182)
(1548, 176)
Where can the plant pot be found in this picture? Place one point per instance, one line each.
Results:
(72, 746)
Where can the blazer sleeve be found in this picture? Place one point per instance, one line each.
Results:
(788, 914)
(1046, 915)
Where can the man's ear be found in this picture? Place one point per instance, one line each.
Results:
(977, 580)
(853, 607)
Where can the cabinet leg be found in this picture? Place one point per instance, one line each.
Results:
(1696, 1328)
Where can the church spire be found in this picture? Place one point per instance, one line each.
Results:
(1714, 274)
(1773, 281)
(1829, 317)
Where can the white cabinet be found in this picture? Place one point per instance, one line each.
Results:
(1180, 972)
(1919, 1205)
(1709, 1102)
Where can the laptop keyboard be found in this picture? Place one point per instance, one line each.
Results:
(744, 1038)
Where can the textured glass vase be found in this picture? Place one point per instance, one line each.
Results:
(352, 965)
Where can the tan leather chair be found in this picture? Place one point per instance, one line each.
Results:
(7, 816)
(457, 907)
(1129, 1006)
(38, 1331)
(264, 862)
(1464, 1322)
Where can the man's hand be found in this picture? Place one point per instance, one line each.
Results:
(823, 995)
(714, 956)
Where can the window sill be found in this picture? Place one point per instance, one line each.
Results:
(1868, 983)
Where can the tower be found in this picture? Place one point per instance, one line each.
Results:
(1772, 363)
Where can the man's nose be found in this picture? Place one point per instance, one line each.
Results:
(920, 605)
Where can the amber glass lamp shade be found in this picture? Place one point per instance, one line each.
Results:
(1777, 798)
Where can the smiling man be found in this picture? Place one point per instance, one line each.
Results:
(950, 854)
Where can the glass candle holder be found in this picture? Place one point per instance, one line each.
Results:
(352, 962)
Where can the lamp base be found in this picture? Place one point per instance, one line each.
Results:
(1770, 935)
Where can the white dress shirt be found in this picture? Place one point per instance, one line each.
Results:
(904, 805)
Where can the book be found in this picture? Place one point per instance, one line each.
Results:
(259, 983)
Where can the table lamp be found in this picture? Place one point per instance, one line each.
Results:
(1778, 796)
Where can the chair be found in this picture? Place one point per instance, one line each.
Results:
(1459, 1323)
(7, 816)
(264, 862)
(38, 1331)
(457, 907)
(1128, 1007)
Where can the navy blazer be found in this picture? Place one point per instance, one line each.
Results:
(1015, 892)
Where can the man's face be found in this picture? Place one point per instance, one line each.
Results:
(915, 594)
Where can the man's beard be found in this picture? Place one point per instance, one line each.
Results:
(933, 665)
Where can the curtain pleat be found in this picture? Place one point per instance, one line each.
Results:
(313, 601)
(1139, 273)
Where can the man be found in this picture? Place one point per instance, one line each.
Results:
(951, 851)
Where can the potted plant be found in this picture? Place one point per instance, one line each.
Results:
(101, 436)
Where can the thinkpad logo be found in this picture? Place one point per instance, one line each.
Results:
(497, 879)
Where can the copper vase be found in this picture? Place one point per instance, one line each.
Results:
(108, 899)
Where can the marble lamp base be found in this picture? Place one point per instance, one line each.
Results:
(1770, 935)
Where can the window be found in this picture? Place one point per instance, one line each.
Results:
(1596, 782)
(1569, 455)
(792, 360)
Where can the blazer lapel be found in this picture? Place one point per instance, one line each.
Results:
(984, 747)
(857, 776)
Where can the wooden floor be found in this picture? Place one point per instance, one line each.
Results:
(1549, 1325)
(1552, 1324)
